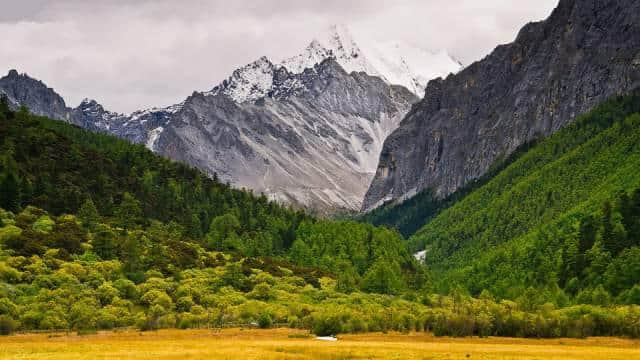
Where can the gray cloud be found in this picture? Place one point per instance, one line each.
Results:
(131, 54)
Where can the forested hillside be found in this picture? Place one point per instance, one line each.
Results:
(96, 233)
(409, 216)
(561, 220)
(78, 273)
(58, 167)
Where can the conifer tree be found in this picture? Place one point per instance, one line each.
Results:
(88, 214)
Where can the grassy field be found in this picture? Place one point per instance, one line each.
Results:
(287, 344)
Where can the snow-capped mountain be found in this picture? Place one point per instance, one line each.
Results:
(307, 130)
(396, 63)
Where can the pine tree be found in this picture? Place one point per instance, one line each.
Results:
(608, 239)
(300, 253)
(383, 278)
(4, 105)
(634, 226)
(105, 243)
(347, 279)
(588, 231)
(128, 212)
(10, 192)
(88, 214)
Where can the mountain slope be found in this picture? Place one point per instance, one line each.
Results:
(58, 167)
(20, 89)
(311, 138)
(585, 52)
(113, 265)
(306, 133)
(516, 230)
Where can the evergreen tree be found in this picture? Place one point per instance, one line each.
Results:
(222, 228)
(383, 278)
(128, 213)
(4, 105)
(10, 192)
(132, 250)
(633, 219)
(88, 214)
(301, 253)
(608, 239)
(588, 233)
(105, 242)
(347, 278)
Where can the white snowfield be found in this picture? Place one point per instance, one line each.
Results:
(395, 62)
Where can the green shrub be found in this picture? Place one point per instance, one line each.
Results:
(7, 325)
(265, 321)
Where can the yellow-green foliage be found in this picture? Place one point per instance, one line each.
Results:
(9, 231)
(44, 224)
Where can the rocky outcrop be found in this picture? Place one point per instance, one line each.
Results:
(585, 52)
(21, 89)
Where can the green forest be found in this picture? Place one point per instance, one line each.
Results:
(412, 214)
(561, 221)
(98, 233)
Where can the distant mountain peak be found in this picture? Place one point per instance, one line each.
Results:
(394, 62)
(248, 83)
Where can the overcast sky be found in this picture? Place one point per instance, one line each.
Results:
(133, 54)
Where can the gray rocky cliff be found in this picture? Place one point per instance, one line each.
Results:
(585, 52)
(311, 139)
(21, 89)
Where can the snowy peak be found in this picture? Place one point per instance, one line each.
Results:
(248, 83)
(337, 43)
(396, 63)
(313, 54)
(410, 66)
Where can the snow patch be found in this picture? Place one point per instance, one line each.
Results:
(153, 137)
(249, 83)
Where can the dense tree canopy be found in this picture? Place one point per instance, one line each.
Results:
(562, 218)
(64, 169)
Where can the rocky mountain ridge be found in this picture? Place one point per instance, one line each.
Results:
(555, 70)
(310, 139)
(306, 131)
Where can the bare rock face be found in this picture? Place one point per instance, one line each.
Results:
(306, 131)
(585, 52)
(21, 89)
(310, 139)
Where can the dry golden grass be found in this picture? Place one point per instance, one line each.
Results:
(277, 344)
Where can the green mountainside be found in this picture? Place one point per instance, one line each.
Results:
(97, 233)
(58, 167)
(563, 215)
(411, 215)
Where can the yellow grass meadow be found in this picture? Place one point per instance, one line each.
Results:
(288, 344)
